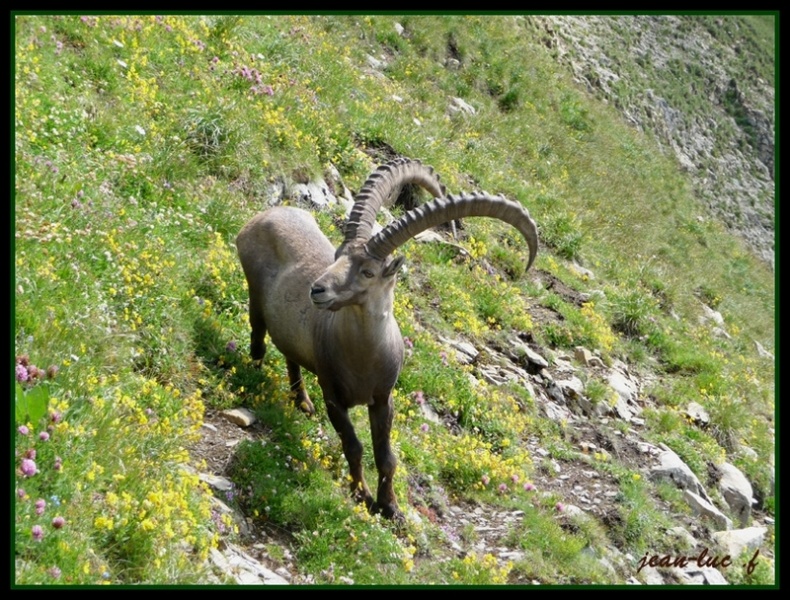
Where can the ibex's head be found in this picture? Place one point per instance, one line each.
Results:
(364, 269)
(356, 278)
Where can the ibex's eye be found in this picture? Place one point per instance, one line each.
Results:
(367, 273)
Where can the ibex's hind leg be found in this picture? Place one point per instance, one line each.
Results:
(381, 413)
(257, 325)
(352, 449)
(301, 399)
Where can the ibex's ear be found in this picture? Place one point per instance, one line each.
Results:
(393, 267)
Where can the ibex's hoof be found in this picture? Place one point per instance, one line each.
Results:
(257, 352)
(389, 511)
(306, 406)
(362, 496)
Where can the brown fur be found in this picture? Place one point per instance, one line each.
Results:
(334, 318)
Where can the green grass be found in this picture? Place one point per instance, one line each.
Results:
(143, 144)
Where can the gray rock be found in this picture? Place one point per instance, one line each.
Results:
(697, 413)
(459, 104)
(275, 192)
(315, 194)
(342, 193)
(581, 272)
(713, 576)
(694, 575)
(621, 409)
(556, 413)
(466, 352)
(736, 541)
(429, 236)
(651, 576)
(680, 534)
(573, 511)
(535, 358)
(646, 448)
(583, 355)
(672, 468)
(762, 352)
(737, 492)
(623, 385)
(582, 405)
(241, 523)
(492, 375)
(703, 507)
(374, 63)
(242, 568)
(430, 414)
(708, 314)
(571, 387)
(240, 416)
(595, 362)
(218, 483)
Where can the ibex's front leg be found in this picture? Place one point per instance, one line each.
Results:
(301, 399)
(352, 448)
(381, 413)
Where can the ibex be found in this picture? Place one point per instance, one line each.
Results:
(330, 311)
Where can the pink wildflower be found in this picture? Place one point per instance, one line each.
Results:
(37, 532)
(40, 506)
(58, 522)
(22, 374)
(28, 467)
(23, 430)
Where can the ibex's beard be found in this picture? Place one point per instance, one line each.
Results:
(325, 304)
(326, 301)
(330, 305)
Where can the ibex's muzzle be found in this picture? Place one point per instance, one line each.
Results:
(318, 296)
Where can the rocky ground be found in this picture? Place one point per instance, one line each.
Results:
(726, 144)
(264, 555)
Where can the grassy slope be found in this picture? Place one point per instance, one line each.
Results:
(143, 144)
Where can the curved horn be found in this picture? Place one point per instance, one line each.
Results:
(379, 187)
(441, 210)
